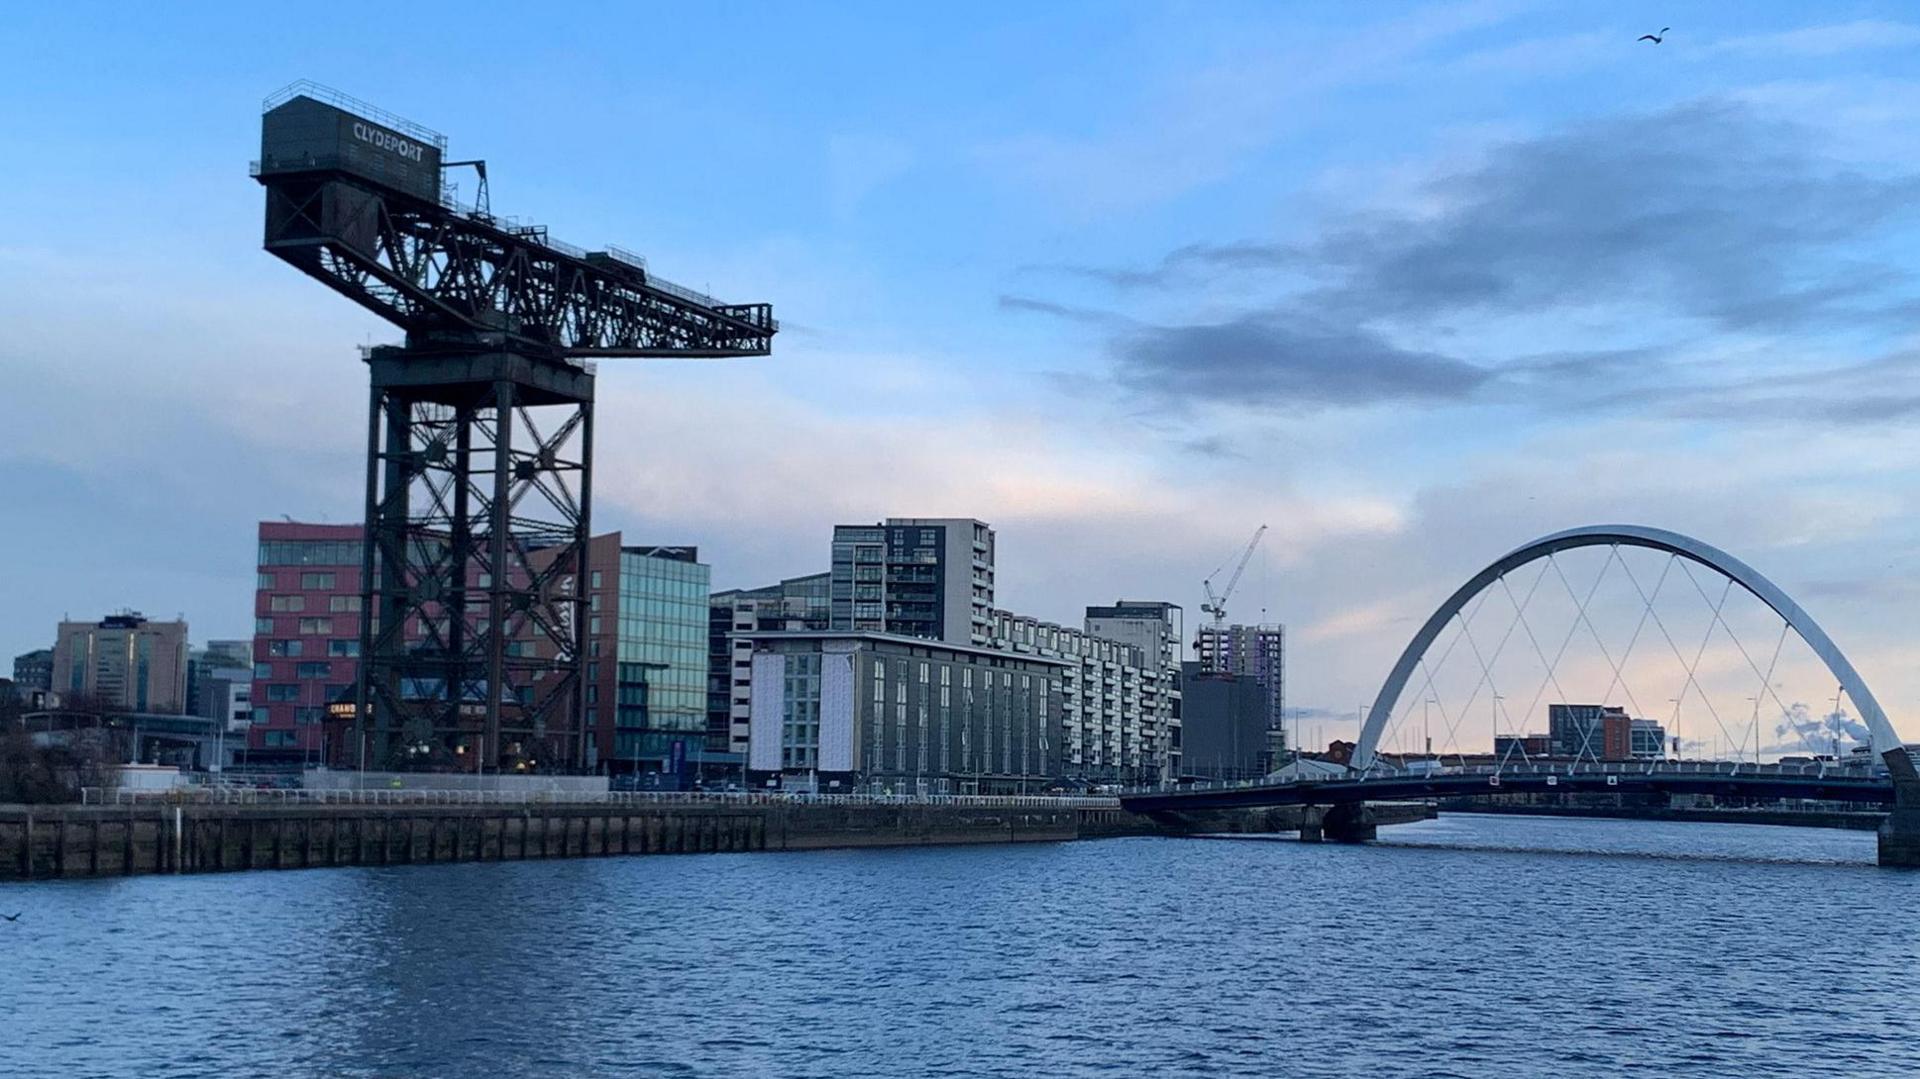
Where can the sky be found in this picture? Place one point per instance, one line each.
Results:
(1409, 283)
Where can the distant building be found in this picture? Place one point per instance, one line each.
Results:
(646, 666)
(1521, 747)
(125, 661)
(796, 603)
(1223, 725)
(306, 638)
(1599, 732)
(840, 710)
(228, 656)
(1257, 652)
(33, 670)
(929, 577)
(1120, 707)
(1648, 740)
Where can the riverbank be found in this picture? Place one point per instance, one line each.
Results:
(43, 842)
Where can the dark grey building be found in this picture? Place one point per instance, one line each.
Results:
(33, 670)
(1223, 724)
(877, 712)
(926, 577)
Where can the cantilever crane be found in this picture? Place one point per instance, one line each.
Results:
(474, 582)
(1216, 604)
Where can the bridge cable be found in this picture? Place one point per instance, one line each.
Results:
(1539, 653)
(1691, 668)
(1646, 612)
(1393, 726)
(1613, 555)
(1766, 680)
(1580, 613)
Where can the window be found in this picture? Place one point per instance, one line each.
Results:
(316, 625)
(343, 647)
(278, 739)
(288, 603)
(263, 625)
(283, 649)
(315, 669)
(283, 691)
(596, 578)
(310, 553)
(317, 582)
(264, 582)
(309, 714)
(263, 671)
(343, 604)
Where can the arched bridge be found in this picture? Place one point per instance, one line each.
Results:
(1898, 786)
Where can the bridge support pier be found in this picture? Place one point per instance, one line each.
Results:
(1900, 832)
(1350, 823)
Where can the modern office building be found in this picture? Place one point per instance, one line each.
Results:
(203, 663)
(1223, 725)
(1647, 740)
(124, 661)
(33, 670)
(796, 603)
(928, 577)
(1258, 652)
(645, 695)
(1600, 732)
(306, 639)
(841, 710)
(1119, 707)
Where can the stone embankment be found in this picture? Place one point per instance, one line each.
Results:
(158, 836)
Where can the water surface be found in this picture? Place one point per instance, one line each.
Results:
(1465, 946)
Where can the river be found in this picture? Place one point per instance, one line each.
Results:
(1465, 946)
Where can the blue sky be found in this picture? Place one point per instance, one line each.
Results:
(1410, 283)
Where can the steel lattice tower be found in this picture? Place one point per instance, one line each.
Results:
(474, 619)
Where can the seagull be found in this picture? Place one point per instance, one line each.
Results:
(12, 917)
(1655, 38)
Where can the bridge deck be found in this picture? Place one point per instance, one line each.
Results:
(1818, 782)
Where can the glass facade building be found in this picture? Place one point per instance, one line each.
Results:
(660, 646)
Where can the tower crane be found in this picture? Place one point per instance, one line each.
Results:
(1216, 604)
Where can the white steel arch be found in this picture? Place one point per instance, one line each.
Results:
(1884, 738)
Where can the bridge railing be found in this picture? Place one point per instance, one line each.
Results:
(1379, 773)
(306, 797)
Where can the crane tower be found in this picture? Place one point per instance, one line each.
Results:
(474, 589)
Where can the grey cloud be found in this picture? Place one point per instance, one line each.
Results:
(1058, 310)
(1705, 209)
(1192, 260)
(1268, 361)
(1706, 212)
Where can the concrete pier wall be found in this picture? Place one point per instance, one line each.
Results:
(39, 843)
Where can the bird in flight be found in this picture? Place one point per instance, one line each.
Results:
(12, 917)
(1655, 38)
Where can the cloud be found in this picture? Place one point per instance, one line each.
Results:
(1652, 232)
(1706, 210)
(1272, 362)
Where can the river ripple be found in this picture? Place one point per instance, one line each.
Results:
(1467, 946)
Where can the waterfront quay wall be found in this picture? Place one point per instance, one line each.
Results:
(47, 842)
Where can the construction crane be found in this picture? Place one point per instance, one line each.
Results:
(1216, 604)
(474, 578)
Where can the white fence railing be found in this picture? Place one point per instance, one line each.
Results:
(305, 797)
